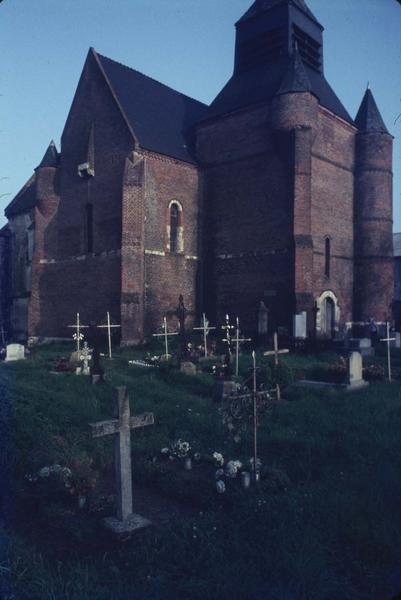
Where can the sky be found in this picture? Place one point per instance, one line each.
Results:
(186, 44)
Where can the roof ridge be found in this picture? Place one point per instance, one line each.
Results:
(101, 56)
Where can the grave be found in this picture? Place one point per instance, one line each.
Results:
(125, 521)
(354, 380)
(15, 352)
(299, 326)
(362, 345)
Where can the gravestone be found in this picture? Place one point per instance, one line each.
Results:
(263, 321)
(354, 374)
(397, 341)
(299, 325)
(15, 352)
(362, 345)
(125, 521)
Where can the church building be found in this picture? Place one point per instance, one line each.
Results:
(271, 193)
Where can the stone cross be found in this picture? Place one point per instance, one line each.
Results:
(276, 352)
(78, 336)
(109, 327)
(205, 329)
(166, 335)
(237, 340)
(120, 427)
(388, 339)
(85, 356)
(227, 340)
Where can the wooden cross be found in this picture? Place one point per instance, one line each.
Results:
(109, 327)
(388, 339)
(165, 334)
(78, 336)
(276, 352)
(237, 340)
(206, 329)
(121, 427)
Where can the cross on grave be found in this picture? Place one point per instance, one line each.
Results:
(388, 339)
(125, 521)
(227, 340)
(276, 352)
(109, 327)
(166, 335)
(237, 340)
(78, 336)
(205, 329)
(85, 356)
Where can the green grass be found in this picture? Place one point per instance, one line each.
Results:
(324, 524)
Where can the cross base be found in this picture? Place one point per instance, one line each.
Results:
(129, 525)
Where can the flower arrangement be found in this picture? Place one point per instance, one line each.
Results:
(218, 458)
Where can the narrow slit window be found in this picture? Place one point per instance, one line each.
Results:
(327, 252)
(174, 224)
(89, 228)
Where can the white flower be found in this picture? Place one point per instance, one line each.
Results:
(219, 458)
(219, 473)
(55, 468)
(220, 486)
(66, 472)
(165, 450)
(232, 468)
(44, 472)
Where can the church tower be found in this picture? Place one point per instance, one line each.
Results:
(277, 151)
(374, 275)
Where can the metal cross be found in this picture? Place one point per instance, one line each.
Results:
(205, 328)
(121, 427)
(276, 352)
(388, 339)
(78, 336)
(109, 327)
(166, 335)
(237, 340)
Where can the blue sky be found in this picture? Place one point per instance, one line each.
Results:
(186, 44)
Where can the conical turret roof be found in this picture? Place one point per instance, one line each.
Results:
(50, 158)
(296, 78)
(369, 117)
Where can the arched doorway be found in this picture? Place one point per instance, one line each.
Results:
(328, 316)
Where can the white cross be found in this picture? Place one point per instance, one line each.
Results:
(121, 427)
(78, 336)
(388, 339)
(205, 328)
(276, 352)
(109, 327)
(228, 328)
(85, 356)
(166, 335)
(238, 341)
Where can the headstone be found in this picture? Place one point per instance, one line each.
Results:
(125, 521)
(263, 321)
(188, 368)
(15, 352)
(299, 325)
(354, 374)
(397, 341)
(362, 345)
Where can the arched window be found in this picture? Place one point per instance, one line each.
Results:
(327, 257)
(175, 229)
(89, 228)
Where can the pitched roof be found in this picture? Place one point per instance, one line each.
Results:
(160, 117)
(24, 201)
(261, 83)
(260, 6)
(50, 158)
(369, 117)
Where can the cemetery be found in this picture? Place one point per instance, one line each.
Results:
(204, 464)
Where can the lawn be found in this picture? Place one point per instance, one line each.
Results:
(323, 523)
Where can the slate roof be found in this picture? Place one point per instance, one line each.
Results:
(160, 117)
(50, 158)
(262, 5)
(369, 117)
(261, 83)
(24, 201)
(296, 79)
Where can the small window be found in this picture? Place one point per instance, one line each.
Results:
(327, 257)
(89, 228)
(174, 228)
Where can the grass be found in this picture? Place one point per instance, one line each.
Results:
(324, 524)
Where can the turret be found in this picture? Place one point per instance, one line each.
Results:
(374, 270)
(46, 182)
